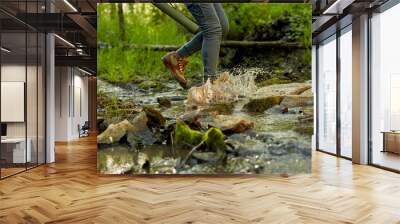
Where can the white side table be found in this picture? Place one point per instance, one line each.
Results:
(19, 154)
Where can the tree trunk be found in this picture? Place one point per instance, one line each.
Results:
(113, 11)
(121, 22)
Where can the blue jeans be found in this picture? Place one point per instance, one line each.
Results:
(214, 26)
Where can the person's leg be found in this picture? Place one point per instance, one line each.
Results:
(223, 19)
(192, 46)
(208, 21)
(195, 43)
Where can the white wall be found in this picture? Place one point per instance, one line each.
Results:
(71, 102)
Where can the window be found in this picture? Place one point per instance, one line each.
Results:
(385, 89)
(346, 92)
(327, 95)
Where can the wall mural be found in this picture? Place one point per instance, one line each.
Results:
(204, 88)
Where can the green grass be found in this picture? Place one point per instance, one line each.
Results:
(145, 24)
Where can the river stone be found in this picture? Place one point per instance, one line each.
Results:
(192, 119)
(260, 105)
(210, 157)
(155, 118)
(164, 102)
(140, 133)
(148, 84)
(308, 92)
(283, 89)
(232, 124)
(297, 101)
(114, 132)
(218, 108)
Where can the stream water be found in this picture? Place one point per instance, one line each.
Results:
(272, 146)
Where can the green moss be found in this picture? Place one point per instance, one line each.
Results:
(260, 105)
(214, 139)
(273, 81)
(221, 108)
(184, 136)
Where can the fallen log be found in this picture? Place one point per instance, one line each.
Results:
(227, 44)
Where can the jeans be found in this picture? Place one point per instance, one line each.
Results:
(214, 26)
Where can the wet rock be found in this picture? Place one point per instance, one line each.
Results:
(155, 118)
(289, 146)
(177, 98)
(205, 168)
(260, 105)
(219, 108)
(164, 102)
(210, 157)
(192, 119)
(232, 124)
(278, 109)
(101, 126)
(308, 92)
(114, 132)
(185, 137)
(283, 89)
(266, 138)
(148, 84)
(297, 101)
(140, 132)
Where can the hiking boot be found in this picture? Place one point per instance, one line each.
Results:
(177, 66)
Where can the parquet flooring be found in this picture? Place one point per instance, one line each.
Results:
(70, 191)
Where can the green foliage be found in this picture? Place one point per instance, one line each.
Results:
(145, 24)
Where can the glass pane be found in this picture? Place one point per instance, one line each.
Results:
(41, 99)
(31, 98)
(327, 96)
(385, 86)
(346, 93)
(13, 86)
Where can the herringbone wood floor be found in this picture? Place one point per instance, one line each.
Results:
(70, 191)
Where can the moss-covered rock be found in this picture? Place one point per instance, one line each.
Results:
(186, 137)
(273, 81)
(297, 101)
(220, 108)
(214, 140)
(260, 105)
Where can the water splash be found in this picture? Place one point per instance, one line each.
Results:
(227, 88)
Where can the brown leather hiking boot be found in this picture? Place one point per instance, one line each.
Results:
(177, 67)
